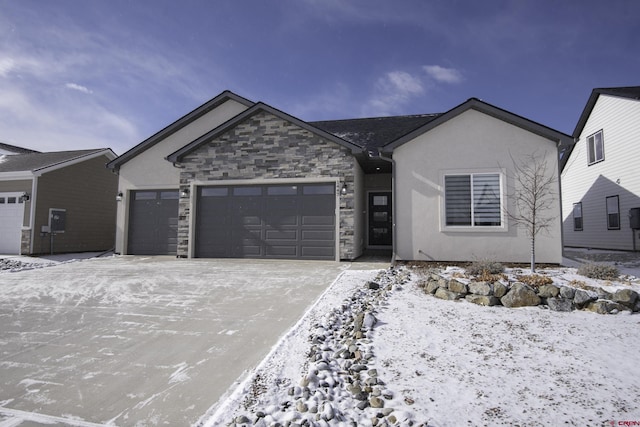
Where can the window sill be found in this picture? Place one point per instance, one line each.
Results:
(478, 229)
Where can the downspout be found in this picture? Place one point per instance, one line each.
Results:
(393, 203)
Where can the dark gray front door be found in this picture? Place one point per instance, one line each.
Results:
(266, 221)
(380, 219)
(153, 222)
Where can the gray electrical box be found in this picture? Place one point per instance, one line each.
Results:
(57, 220)
(634, 218)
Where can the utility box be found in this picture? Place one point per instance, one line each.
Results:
(57, 220)
(634, 218)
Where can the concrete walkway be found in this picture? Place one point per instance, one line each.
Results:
(143, 340)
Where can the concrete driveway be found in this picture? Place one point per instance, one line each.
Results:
(142, 340)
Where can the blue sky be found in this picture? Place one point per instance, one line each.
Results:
(80, 74)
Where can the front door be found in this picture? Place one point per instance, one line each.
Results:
(380, 219)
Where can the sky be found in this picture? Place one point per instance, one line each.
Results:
(78, 74)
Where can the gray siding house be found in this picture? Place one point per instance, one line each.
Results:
(239, 179)
(57, 202)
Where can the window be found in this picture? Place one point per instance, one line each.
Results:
(577, 216)
(473, 200)
(613, 213)
(595, 147)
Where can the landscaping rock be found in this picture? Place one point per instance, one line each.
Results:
(603, 306)
(520, 295)
(432, 287)
(445, 294)
(626, 297)
(480, 288)
(582, 298)
(486, 300)
(560, 304)
(458, 287)
(548, 291)
(373, 285)
(499, 289)
(567, 292)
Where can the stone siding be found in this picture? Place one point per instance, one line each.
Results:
(265, 146)
(25, 242)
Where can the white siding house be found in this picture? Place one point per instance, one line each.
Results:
(600, 177)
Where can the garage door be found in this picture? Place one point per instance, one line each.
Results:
(266, 221)
(11, 215)
(153, 222)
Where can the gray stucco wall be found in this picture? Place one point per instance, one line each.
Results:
(265, 146)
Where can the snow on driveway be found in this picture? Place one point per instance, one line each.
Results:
(141, 340)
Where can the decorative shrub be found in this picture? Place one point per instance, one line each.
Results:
(599, 271)
(535, 280)
(484, 268)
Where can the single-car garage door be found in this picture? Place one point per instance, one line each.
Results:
(266, 221)
(153, 222)
(11, 214)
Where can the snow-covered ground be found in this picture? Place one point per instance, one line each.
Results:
(442, 363)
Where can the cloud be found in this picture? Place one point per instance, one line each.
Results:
(392, 91)
(78, 87)
(442, 74)
(6, 65)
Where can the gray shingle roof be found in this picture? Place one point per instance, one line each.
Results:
(32, 162)
(15, 149)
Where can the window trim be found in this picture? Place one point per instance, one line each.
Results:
(503, 227)
(573, 215)
(593, 149)
(609, 227)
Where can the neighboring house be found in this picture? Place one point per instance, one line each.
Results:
(235, 178)
(6, 149)
(57, 202)
(600, 179)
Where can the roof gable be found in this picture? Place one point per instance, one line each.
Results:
(44, 162)
(177, 125)
(177, 156)
(483, 107)
(14, 149)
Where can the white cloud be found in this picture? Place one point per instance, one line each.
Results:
(392, 92)
(442, 74)
(6, 65)
(78, 87)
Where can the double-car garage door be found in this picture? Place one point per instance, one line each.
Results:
(250, 221)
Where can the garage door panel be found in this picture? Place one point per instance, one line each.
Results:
(11, 218)
(153, 222)
(269, 221)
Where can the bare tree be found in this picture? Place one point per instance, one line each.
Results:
(533, 198)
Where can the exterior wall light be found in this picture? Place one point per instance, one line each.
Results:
(344, 190)
(184, 193)
(119, 196)
(24, 197)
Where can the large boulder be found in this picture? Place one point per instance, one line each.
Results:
(446, 294)
(520, 295)
(458, 287)
(560, 304)
(567, 292)
(548, 291)
(582, 298)
(480, 288)
(499, 289)
(432, 287)
(487, 300)
(603, 306)
(626, 297)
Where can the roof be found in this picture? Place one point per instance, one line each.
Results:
(375, 132)
(177, 156)
(628, 92)
(34, 162)
(486, 108)
(177, 125)
(15, 149)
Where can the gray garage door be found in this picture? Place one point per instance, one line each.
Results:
(153, 222)
(266, 221)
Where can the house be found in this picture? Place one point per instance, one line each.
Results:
(7, 149)
(56, 202)
(600, 179)
(235, 178)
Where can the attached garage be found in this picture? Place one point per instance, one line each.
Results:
(296, 221)
(153, 222)
(11, 217)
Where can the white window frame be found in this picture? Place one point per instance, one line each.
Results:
(503, 227)
(592, 148)
(616, 200)
(574, 216)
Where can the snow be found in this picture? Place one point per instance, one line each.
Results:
(445, 363)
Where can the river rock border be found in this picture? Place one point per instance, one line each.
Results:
(518, 294)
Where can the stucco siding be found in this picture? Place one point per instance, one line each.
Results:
(616, 175)
(471, 142)
(266, 147)
(87, 191)
(150, 170)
